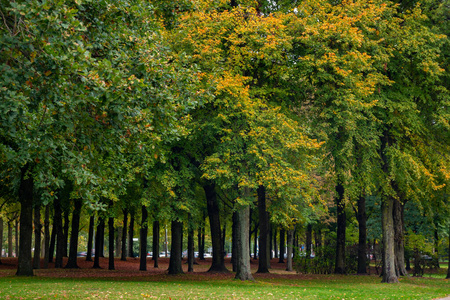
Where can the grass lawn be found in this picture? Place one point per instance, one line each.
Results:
(279, 284)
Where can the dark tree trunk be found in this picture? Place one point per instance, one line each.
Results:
(399, 238)
(143, 240)
(201, 249)
(263, 231)
(37, 237)
(1, 239)
(57, 223)
(282, 245)
(270, 242)
(389, 275)
(123, 255)
(275, 245)
(72, 261)
(90, 238)
(255, 242)
(98, 243)
(16, 225)
(234, 238)
(243, 271)
(46, 236)
(118, 242)
(362, 242)
(308, 240)
(175, 249)
(190, 257)
(223, 238)
(155, 246)
(448, 270)
(10, 239)
(290, 244)
(66, 232)
(111, 243)
(102, 238)
(25, 266)
(340, 236)
(51, 249)
(218, 262)
(130, 235)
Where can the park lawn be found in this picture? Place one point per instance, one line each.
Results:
(192, 286)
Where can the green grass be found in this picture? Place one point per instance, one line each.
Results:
(203, 287)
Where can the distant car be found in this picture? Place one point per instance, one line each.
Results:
(82, 254)
(150, 254)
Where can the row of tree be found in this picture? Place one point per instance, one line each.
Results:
(166, 106)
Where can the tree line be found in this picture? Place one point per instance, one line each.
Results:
(295, 112)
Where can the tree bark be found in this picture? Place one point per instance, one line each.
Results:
(66, 232)
(51, 249)
(10, 239)
(234, 241)
(25, 266)
(102, 238)
(37, 237)
(362, 242)
(123, 255)
(111, 243)
(340, 236)
(243, 271)
(218, 262)
(190, 253)
(200, 242)
(90, 238)
(389, 275)
(399, 238)
(275, 245)
(118, 242)
(143, 240)
(448, 270)
(72, 261)
(290, 244)
(175, 248)
(282, 245)
(98, 243)
(57, 223)
(1, 239)
(130, 235)
(16, 225)
(263, 231)
(155, 247)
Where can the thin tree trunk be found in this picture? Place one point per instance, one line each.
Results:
(59, 234)
(199, 242)
(46, 235)
(90, 238)
(155, 244)
(66, 232)
(448, 268)
(218, 262)
(111, 243)
(317, 238)
(290, 244)
(275, 245)
(143, 240)
(37, 237)
(102, 238)
(263, 231)
(255, 242)
(282, 245)
(98, 244)
(51, 251)
(399, 237)
(130, 235)
(25, 265)
(340, 236)
(388, 272)
(362, 242)
(190, 253)
(72, 261)
(124, 235)
(1, 239)
(16, 226)
(243, 271)
(175, 248)
(235, 239)
(10, 239)
(118, 242)
(308, 240)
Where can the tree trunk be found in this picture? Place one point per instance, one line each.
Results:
(234, 241)
(275, 245)
(143, 240)
(37, 237)
(190, 249)
(340, 236)
(123, 255)
(46, 235)
(1, 239)
(16, 225)
(130, 235)
(263, 231)
(399, 238)
(362, 242)
(25, 266)
(111, 243)
(308, 240)
(448, 269)
(118, 242)
(90, 238)
(290, 244)
(218, 262)
(72, 261)
(175, 249)
(98, 243)
(57, 224)
(243, 271)
(155, 245)
(10, 239)
(255, 242)
(387, 220)
(102, 238)
(201, 245)
(282, 245)
(66, 232)
(51, 249)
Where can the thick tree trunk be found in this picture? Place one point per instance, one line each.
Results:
(155, 246)
(190, 254)
(25, 266)
(130, 235)
(175, 249)
(399, 237)
(51, 249)
(389, 275)
(263, 231)
(111, 243)
(123, 255)
(98, 243)
(290, 244)
(66, 232)
(218, 262)
(243, 271)
(234, 238)
(57, 223)
(282, 245)
(37, 237)
(362, 242)
(10, 239)
(340, 236)
(72, 261)
(143, 240)
(90, 238)
(1, 239)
